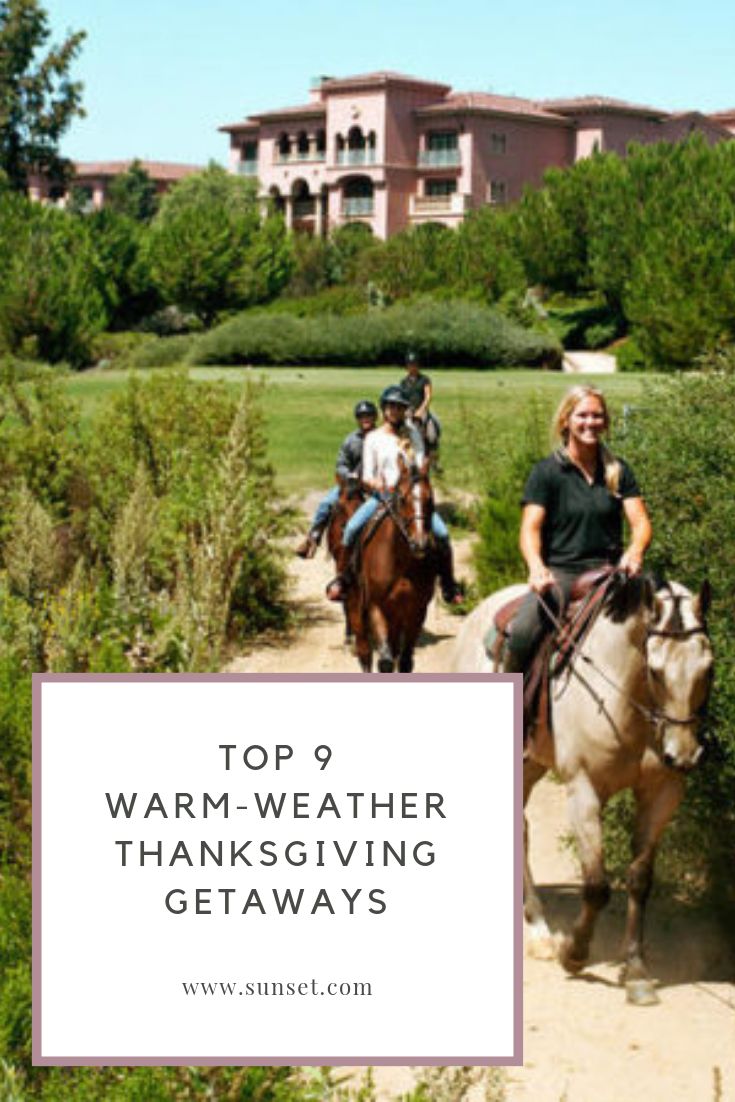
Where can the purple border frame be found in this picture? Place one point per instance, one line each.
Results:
(515, 1060)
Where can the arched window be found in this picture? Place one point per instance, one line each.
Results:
(304, 205)
(284, 147)
(358, 197)
(302, 146)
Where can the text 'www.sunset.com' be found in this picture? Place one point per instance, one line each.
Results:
(270, 988)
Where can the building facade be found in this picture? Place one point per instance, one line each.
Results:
(393, 151)
(94, 178)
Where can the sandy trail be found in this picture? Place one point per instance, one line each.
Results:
(582, 1041)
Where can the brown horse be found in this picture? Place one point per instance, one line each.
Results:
(626, 713)
(386, 607)
(349, 501)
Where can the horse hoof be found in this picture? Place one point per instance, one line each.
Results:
(385, 665)
(641, 993)
(570, 963)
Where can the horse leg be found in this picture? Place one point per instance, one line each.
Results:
(405, 659)
(541, 944)
(379, 630)
(657, 798)
(585, 813)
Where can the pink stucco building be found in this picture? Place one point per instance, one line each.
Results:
(393, 151)
(93, 178)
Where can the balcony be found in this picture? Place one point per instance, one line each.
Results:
(304, 208)
(247, 168)
(299, 156)
(439, 158)
(358, 207)
(355, 156)
(438, 206)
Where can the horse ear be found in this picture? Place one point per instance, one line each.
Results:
(702, 601)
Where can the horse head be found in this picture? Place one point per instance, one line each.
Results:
(679, 665)
(415, 504)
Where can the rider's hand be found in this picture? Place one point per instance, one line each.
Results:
(631, 563)
(541, 578)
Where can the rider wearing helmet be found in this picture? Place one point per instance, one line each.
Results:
(349, 462)
(380, 474)
(416, 388)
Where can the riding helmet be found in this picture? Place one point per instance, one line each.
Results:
(366, 408)
(411, 357)
(393, 394)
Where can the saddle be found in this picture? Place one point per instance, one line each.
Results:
(553, 654)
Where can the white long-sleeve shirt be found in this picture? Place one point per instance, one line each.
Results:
(381, 450)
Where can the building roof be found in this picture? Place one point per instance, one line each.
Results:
(157, 170)
(577, 105)
(383, 76)
(488, 102)
(722, 116)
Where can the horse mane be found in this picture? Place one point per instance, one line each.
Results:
(628, 595)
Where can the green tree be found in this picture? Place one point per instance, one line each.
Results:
(199, 242)
(133, 194)
(38, 100)
(51, 303)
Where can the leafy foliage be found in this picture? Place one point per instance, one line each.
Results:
(442, 332)
(133, 194)
(38, 101)
(207, 249)
(683, 457)
(51, 297)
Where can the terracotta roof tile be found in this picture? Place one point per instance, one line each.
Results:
(486, 101)
(282, 112)
(157, 170)
(599, 103)
(382, 76)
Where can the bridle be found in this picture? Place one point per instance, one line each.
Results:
(419, 515)
(656, 716)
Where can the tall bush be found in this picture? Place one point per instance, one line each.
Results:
(50, 298)
(681, 442)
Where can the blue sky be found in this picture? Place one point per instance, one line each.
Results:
(161, 75)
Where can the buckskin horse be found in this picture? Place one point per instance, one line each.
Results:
(386, 605)
(349, 500)
(625, 713)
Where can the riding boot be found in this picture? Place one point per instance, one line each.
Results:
(451, 591)
(337, 588)
(308, 547)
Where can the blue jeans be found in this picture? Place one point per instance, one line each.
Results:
(324, 508)
(359, 519)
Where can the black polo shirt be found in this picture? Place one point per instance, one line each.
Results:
(413, 389)
(584, 522)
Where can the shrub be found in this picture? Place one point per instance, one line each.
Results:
(683, 457)
(163, 351)
(446, 333)
(630, 357)
(52, 294)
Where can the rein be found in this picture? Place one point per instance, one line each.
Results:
(391, 510)
(656, 716)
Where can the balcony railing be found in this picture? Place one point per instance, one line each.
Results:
(358, 207)
(247, 168)
(304, 208)
(355, 156)
(300, 155)
(439, 158)
(432, 206)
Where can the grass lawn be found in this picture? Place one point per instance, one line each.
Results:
(309, 410)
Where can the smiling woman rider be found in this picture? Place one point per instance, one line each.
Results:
(573, 507)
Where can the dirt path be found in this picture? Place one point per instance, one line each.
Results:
(582, 1042)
